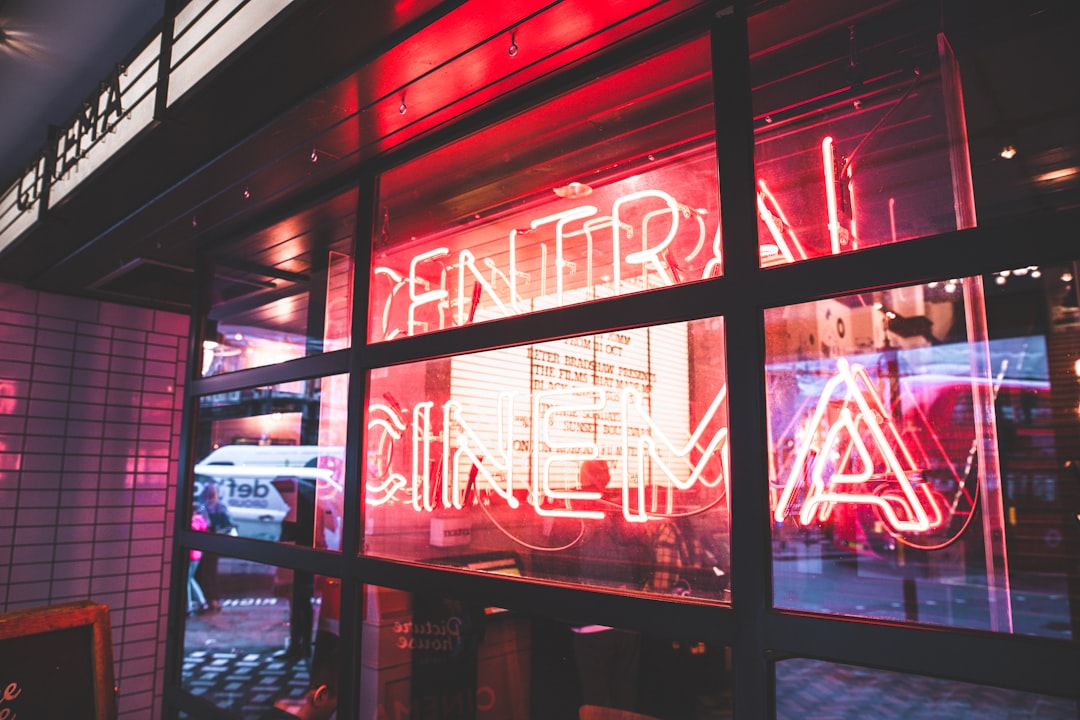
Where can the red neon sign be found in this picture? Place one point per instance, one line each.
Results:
(495, 463)
(560, 254)
(860, 448)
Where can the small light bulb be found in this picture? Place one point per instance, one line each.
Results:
(314, 155)
(1000, 280)
(1008, 152)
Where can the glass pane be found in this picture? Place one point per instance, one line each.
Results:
(817, 689)
(600, 460)
(272, 643)
(272, 462)
(283, 292)
(610, 189)
(431, 656)
(860, 137)
(1023, 122)
(924, 451)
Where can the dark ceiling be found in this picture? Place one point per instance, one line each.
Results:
(54, 55)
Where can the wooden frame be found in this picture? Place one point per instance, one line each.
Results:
(79, 635)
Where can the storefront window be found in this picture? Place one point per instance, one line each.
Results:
(599, 459)
(856, 692)
(284, 292)
(875, 126)
(923, 452)
(271, 462)
(608, 190)
(433, 656)
(860, 136)
(271, 643)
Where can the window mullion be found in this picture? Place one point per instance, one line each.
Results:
(753, 696)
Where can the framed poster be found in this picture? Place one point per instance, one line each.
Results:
(56, 662)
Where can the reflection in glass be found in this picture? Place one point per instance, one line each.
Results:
(860, 137)
(239, 657)
(271, 461)
(431, 656)
(608, 190)
(818, 689)
(924, 449)
(599, 459)
(282, 294)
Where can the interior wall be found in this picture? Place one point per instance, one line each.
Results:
(90, 404)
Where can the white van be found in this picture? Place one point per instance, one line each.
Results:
(259, 484)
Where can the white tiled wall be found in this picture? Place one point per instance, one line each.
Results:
(90, 403)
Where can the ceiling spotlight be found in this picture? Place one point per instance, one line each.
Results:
(314, 155)
(1008, 152)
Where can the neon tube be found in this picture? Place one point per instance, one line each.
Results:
(560, 220)
(431, 296)
(585, 450)
(892, 218)
(820, 497)
(461, 446)
(647, 255)
(770, 214)
(828, 165)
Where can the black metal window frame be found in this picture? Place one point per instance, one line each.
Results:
(758, 634)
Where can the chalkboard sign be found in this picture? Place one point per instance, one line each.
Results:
(56, 662)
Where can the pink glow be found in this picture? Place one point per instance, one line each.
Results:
(468, 457)
(772, 212)
(648, 237)
(905, 508)
(828, 161)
